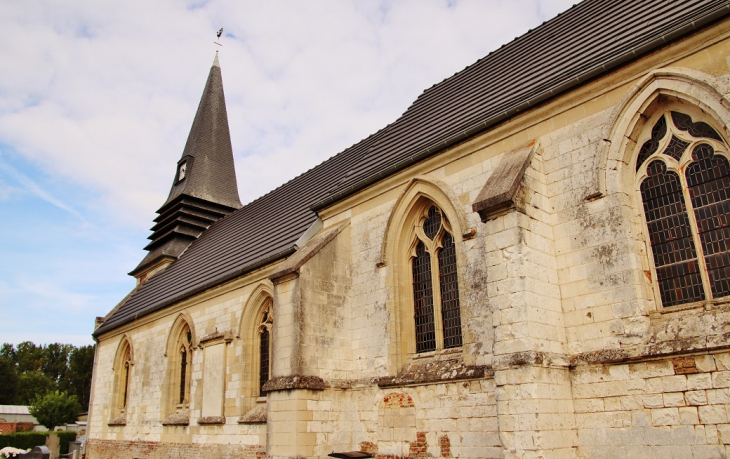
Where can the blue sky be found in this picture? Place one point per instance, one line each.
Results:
(96, 100)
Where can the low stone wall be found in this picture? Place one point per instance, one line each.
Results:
(11, 427)
(111, 449)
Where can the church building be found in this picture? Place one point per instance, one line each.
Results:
(533, 261)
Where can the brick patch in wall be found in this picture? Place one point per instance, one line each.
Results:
(684, 366)
(398, 400)
(445, 445)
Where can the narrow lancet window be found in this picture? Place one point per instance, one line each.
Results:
(423, 300)
(264, 360)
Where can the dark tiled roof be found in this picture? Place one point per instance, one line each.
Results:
(584, 42)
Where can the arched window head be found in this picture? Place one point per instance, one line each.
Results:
(264, 345)
(683, 177)
(437, 313)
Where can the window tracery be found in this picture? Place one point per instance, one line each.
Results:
(437, 313)
(684, 182)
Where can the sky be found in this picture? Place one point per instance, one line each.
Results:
(97, 99)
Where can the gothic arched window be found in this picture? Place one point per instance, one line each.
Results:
(437, 313)
(684, 181)
(183, 365)
(122, 374)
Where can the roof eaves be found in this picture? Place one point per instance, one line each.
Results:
(538, 98)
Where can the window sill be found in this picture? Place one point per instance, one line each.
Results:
(706, 304)
(438, 354)
(212, 420)
(118, 421)
(177, 419)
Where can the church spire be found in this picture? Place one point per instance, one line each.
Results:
(204, 188)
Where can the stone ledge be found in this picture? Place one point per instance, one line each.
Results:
(177, 419)
(257, 415)
(434, 372)
(531, 358)
(214, 337)
(212, 420)
(118, 421)
(294, 382)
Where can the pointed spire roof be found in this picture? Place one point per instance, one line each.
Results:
(204, 188)
(208, 156)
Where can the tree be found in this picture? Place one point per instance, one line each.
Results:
(28, 357)
(32, 384)
(55, 409)
(55, 360)
(8, 381)
(78, 376)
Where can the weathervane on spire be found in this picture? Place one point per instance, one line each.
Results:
(220, 32)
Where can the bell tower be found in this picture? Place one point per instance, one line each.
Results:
(204, 188)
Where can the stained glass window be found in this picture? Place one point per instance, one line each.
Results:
(436, 251)
(684, 266)
(183, 373)
(700, 129)
(423, 300)
(264, 359)
(650, 146)
(675, 258)
(708, 179)
(450, 311)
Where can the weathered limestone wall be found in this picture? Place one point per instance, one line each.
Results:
(148, 389)
(674, 407)
(443, 420)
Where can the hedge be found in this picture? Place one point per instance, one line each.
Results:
(27, 440)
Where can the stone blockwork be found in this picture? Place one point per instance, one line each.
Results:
(108, 449)
(673, 407)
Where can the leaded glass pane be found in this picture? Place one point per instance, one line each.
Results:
(699, 129)
(670, 237)
(183, 370)
(432, 224)
(450, 310)
(263, 359)
(651, 145)
(708, 178)
(126, 382)
(676, 148)
(423, 300)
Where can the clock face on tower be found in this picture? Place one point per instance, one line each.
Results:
(181, 170)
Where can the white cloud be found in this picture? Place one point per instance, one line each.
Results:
(97, 99)
(103, 94)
